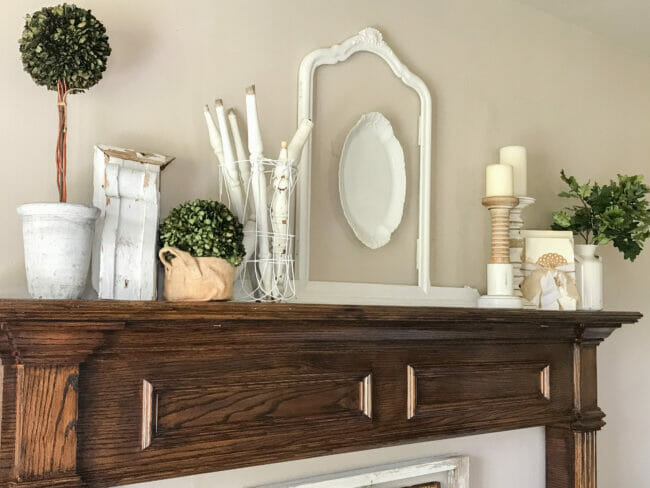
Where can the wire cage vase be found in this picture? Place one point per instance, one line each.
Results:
(266, 200)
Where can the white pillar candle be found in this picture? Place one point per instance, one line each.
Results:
(498, 180)
(515, 156)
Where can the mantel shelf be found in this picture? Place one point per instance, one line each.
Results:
(149, 390)
(109, 310)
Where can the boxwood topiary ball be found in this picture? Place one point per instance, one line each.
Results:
(204, 228)
(64, 43)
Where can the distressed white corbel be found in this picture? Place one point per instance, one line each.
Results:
(127, 192)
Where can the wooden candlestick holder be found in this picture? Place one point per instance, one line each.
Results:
(517, 241)
(499, 271)
(500, 208)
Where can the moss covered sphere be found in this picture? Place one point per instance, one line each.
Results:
(65, 43)
(204, 228)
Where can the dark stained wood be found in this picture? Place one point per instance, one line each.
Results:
(210, 406)
(77, 312)
(38, 443)
(39, 440)
(172, 389)
(571, 447)
(47, 420)
(503, 385)
(570, 457)
(60, 482)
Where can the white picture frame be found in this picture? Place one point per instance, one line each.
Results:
(308, 291)
(454, 468)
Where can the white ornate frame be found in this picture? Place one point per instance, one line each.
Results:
(456, 468)
(369, 40)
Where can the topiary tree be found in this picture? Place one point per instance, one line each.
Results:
(204, 228)
(64, 48)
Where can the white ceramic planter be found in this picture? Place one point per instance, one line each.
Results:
(58, 242)
(589, 277)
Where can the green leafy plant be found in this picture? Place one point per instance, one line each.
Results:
(64, 48)
(204, 228)
(617, 213)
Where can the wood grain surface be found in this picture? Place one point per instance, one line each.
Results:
(172, 389)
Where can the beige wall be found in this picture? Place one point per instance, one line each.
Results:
(500, 73)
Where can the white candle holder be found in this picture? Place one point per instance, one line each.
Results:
(517, 242)
(499, 270)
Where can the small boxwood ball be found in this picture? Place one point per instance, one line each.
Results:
(204, 228)
(65, 43)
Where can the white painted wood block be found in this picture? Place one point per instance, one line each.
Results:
(127, 192)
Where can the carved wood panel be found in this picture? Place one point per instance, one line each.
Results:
(151, 413)
(237, 410)
(272, 402)
(169, 389)
(47, 420)
(570, 458)
(45, 424)
(442, 390)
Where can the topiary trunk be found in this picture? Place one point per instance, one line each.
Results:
(61, 149)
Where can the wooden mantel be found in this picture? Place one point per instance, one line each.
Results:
(100, 394)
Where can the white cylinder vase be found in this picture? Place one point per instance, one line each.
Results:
(589, 277)
(58, 242)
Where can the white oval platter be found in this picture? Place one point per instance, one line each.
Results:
(372, 180)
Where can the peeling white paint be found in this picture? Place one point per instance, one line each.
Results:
(127, 191)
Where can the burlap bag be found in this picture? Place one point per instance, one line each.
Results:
(196, 279)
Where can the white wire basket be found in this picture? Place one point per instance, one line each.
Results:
(267, 271)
